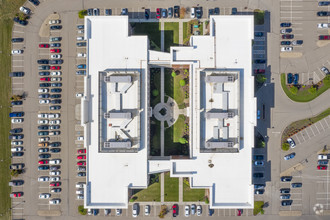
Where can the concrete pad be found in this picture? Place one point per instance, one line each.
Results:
(322, 43)
(296, 167)
(290, 213)
(78, 112)
(325, 212)
(291, 55)
(49, 213)
(44, 28)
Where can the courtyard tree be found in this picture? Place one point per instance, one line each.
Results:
(82, 13)
(155, 92)
(182, 140)
(285, 146)
(182, 82)
(173, 74)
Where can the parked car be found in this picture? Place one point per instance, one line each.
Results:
(296, 185)
(17, 40)
(234, 11)
(35, 2)
(323, 13)
(258, 163)
(56, 190)
(16, 114)
(17, 154)
(325, 70)
(286, 202)
(81, 72)
(43, 73)
(81, 44)
(289, 78)
(216, 11)
(322, 162)
(324, 37)
(176, 11)
(175, 210)
(146, 210)
(193, 209)
(286, 42)
(286, 49)
(187, 210)
(199, 12)
(19, 21)
(158, 13)
(79, 27)
(211, 211)
(81, 66)
(259, 61)
(56, 27)
(25, 10)
(322, 157)
(44, 196)
(285, 196)
(287, 36)
(286, 24)
(17, 52)
(43, 167)
(16, 182)
(258, 34)
(124, 11)
(16, 74)
(286, 31)
(108, 12)
(297, 42)
(199, 210)
(16, 194)
(259, 191)
(43, 45)
(55, 39)
(44, 67)
(289, 156)
(170, 12)
(164, 13)
(54, 21)
(295, 81)
(291, 142)
(55, 50)
(16, 130)
(286, 178)
(54, 201)
(258, 157)
(17, 120)
(322, 167)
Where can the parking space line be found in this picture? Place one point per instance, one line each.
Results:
(321, 125)
(324, 125)
(326, 122)
(302, 135)
(317, 128)
(296, 138)
(310, 127)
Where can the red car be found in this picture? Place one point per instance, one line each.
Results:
(81, 163)
(324, 37)
(43, 45)
(81, 151)
(259, 71)
(175, 210)
(45, 79)
(321, 167)
(55, 184)
(81, 157)
(239, 212)
(16, 194)
(55, 67)
(55, 50)
(158, 13)
(43, 161)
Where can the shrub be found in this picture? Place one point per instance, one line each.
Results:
(173, 74)
(183, 140)
(294, 90)
(182, 82)
(285, 146)
(82, 13)
(133, 199)
(207, 200)
(186, 181)
(163, 211)
(312, 90)
(155, 92)
(261, 78)
(182, 12)
(81, 210)
(326, 80)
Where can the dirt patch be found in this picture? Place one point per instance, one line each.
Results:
(49, 213)
(291, 55)
(296, 167)
(44, 29)
(322, 43)
(290, 213)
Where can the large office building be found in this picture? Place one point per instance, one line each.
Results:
(116, 112)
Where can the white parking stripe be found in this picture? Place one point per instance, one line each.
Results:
(297, 138)
(310, 127)
(327, 123)
(321, 125)
(317, 128)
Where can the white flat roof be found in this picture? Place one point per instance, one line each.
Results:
(110, 48)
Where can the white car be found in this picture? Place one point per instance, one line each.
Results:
(89, 211)
(54, 21)
(322, 157)
(55, 161)
(57, 79)
(44, 101)
(55, 178)
(291, 142)
(54, 201)
(16, 51)
(323, 25)
(80, 196)
(56, 56)
(43, 122)
(81, 55)
(80, 38)
(78, 192)
(43, 179)
(79, 95)
(43, 115)
(17, 120)
(43, 90)
(147, 210)
(25, 10)
(187, 210)
(79, 185)
(80, 138)
(44, 196)
(193, 209)
(54, 115)
(283, 49)
(199, 210)
(258, 163)
(118, 212)
(55, 122)
(43, 139)
(15, 149)
(325, 70)
(81, 31)
(16, 143)
(192, 13)
(57, 73)
(54, 173)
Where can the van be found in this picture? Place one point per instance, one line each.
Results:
(192, 13)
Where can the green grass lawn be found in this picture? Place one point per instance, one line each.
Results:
(303, 95)
(171, 188)
(151, 29)
(171, 35)
(152, 193)
(172, 136)
(8, 8)
(173, 88)
(258, 205)
(184, 29)
(178, 128)
(259, 17)
(193, 195)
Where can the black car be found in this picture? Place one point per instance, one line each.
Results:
(16, 74)
(44, 67)
(81, 44)
(258, 34)
(35, 2)
(285, 190)
(16, 130)
(16, 137)
(56, 101)
(44, 84)
(289, 78)
(260, 61)
(44, 73)
(56, 84)
(211, 12)
(199, 12)
(217, 11)
(96, 11)
(43, 133)
(55, 45)
(55, 150)
(16, 103)
(234, 11)
(16, 182)
(56, 27)
(80, 27)
(259, 191)
(44, 96)
(44, 156)
(286, 178)
(285, 42)
(54, 127)
(323, 13)
(176, 11)
(81, 72)
(90, 12)
(55, 96)
(55, 61)
(287, 36)
(55, 144)
(297, 42)
(57, 90)
(43, 167)
(259, 186)
(296, 185)
(17, 154)
(43, 127)
(286, 24)
(81, 174)
(108, 12)
(324, 3)
(17, 40)
(56, 190)
(147, 13)
(258, 175)
(124, 11)
(55, 107)
(286, 202)
(43, 61)
(21, 22)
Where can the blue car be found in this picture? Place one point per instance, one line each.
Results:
(43, 167)
(16, 114)
(296, 79)
(287, 24)
(289, 156)
(258, 114)
(211, 211)
(258, 34)
(285, 42)
(290, 78)
(324, 3)
(81, 66)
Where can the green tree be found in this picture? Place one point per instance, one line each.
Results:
(312, 90)
(207, 200)
(285, 146)
(82, 13)
(183, 140)
(261, 78)
(182, 82)
(173, 74)
(81, 210)
(294, 90)
(155, 92)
